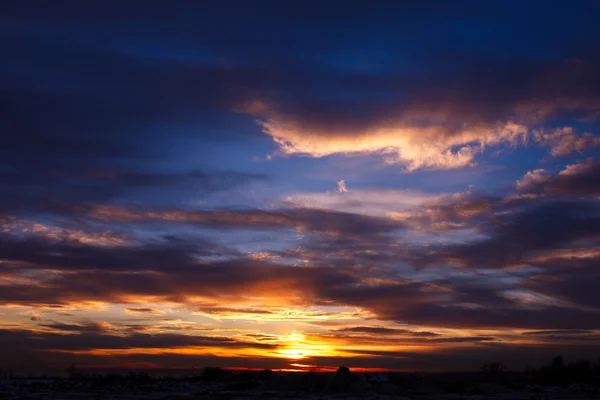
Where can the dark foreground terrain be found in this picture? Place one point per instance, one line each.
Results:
(215, 383)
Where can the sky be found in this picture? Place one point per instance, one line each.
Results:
(390, 185)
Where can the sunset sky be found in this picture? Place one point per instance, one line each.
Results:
(396, 185)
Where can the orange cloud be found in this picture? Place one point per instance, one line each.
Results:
(398, 142)
(420, 136)
(565, 141)
(138, 311)
(532, 178)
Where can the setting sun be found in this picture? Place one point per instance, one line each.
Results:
(293, 354)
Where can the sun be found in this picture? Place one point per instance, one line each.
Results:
(296, 347)
(293, 354)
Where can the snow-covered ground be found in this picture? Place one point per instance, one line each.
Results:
(62, 389)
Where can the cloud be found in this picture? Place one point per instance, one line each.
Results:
(464, 339)
(342, 186)
(448, 211)
(434, 146)
(578, 179)
(366, 201)
(479, 304)
(559, 332)
(25, 228)
(578, 285)
(565, 141)
(380, 330)
(44, 272)
(23, 187)
(35, 317)
(174, 274)
(142, 311)
(533, 178)
(42, 253)
(512, 237)
(439, 123)
(313, 220)
(456, 316)
(95, 340)
(416, 139)
(89, 327)
(361, 266)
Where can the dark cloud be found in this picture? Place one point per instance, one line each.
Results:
(577, 285)
(493, 104)
(38, 347)
(175, 270)
(90, 328)
(113, 181)
(378, 330)
(566, 336)
(215, 309)
(464, 339)
(452, 303)
(558, 332)
(314, 220)
(513, 316)
(169, 270)
(86, 94)
(579, 179)
(456, 211)
(513, 236)
(43, 253)
(57, 189)
(87, 123)
(150, 311)
(35, 354)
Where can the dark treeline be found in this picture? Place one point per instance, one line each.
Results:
(570, 376)
(556, 373)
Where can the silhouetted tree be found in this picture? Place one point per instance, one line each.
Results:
(265, 375)
(341, 382)
(72, 371)
(213, 374)
(343, 372)
(558, 363)
(492, 371)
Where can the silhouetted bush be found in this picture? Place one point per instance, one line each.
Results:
(342, 380)
(265, 375)
(492, 372)
(213, 374)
